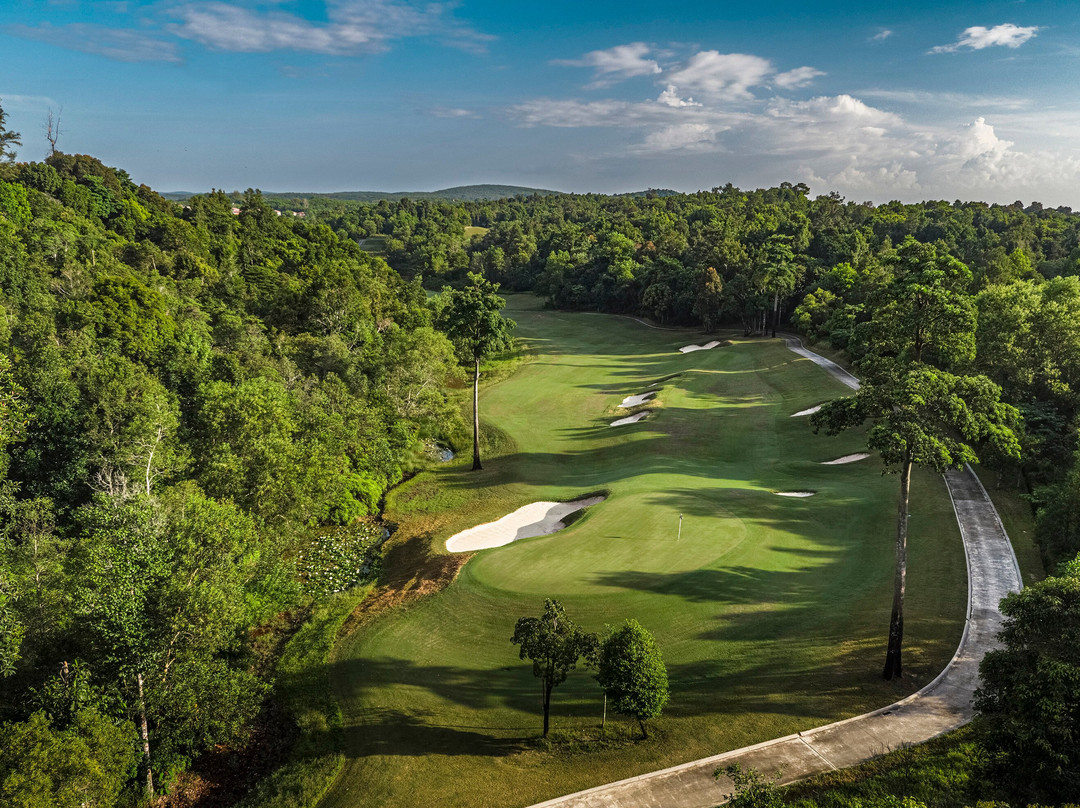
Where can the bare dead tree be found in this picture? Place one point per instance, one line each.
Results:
(52, 129)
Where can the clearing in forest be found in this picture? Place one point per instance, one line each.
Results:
(770, 611)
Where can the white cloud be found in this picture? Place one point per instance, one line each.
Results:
(670, 97)
(884, 33)
(615, 64)
(353, 26)
(978, 37)
(680, 137)
(121, 44)
(799, 77)
(452, 112)
(722, 75)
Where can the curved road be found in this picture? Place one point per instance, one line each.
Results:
(942, 705)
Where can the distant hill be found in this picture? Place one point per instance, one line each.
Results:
(460, 193)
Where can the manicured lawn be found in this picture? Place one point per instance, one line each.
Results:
(771, 612)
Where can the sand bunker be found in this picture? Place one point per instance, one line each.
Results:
(691, 348)
(810, 411)
(630, 419)
(851, 458)
(794, 493)
(537, 519)
(636, 401)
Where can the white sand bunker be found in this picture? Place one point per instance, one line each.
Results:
(636, 401)
(851, 458)
(630, 419)
(537, 519)
(794, 493)
(707, 346)
(810, 411)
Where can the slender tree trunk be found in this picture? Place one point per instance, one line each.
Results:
(547, 706)
(603, 717)
(644, 732)
(144, 733)
(893, 666)
(476, 420)
(775, 312)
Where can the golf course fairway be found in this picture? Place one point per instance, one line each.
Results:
(771, 611)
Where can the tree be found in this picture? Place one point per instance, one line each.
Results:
(7, 140)
(633, 674)
(923, 415)
(471, 318)
(1028, 706)
(85, 764)
(777, 271)
(709, 302)
(554, 644)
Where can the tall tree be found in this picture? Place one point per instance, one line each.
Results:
(554, 644)
(922, 414)
(633, 674)
(471, 317)
(7, 139)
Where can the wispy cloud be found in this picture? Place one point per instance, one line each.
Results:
(978, 37)
(722, 75)
(452, 112)
(353, 26)
(615, 64)
(799, 77)
(884, 33)
(121, 44)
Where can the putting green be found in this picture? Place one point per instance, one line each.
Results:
(770, 611)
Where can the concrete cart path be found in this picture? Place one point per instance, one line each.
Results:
(942, 705)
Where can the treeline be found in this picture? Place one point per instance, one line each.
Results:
(186, 393)
(823, 266)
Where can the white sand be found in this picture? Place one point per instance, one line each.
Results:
(635, 401)
(851, 458)
(810, 411)
(691, 348)
(537, 519)
(794, 493)
(630, 419)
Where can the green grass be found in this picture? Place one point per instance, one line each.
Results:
(771, 612)
(473, 230)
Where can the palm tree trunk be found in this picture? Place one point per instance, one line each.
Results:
(893, 666)
(476, 418)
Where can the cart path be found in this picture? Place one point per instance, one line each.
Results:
(942, 705)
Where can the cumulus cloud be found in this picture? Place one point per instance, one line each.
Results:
(680, 137)
(722, 75)
(799, 77)
(123, 45)
(615, 64)
(670, 97)
(978, 37)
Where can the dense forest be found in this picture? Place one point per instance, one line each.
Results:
(201, 408)
(199, 415)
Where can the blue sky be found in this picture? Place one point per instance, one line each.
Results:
(879, 101)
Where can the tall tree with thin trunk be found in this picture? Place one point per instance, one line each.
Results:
(922, 414)
(554, 644)
(7, 139)
(472, 319)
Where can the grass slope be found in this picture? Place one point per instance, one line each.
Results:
(771, 612)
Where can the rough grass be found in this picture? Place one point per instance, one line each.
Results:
(771, 612)
(303, 688)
